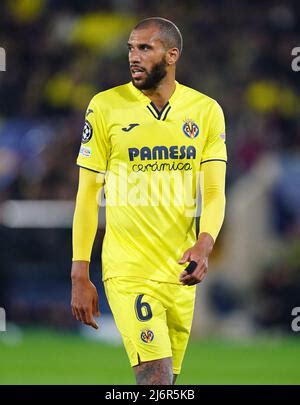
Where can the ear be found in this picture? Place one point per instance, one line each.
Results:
(172, 56)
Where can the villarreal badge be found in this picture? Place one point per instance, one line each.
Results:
(147, 335)
(190, 128)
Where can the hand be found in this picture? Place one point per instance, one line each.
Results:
(85, 301)
(198, 253)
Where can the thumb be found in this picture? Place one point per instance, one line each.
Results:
(185, 257)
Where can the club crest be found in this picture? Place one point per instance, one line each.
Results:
(190, 128)
(147, 335)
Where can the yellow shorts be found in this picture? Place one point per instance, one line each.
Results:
(154, 318)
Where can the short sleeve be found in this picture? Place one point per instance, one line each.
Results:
(215, 147)
(94, 148)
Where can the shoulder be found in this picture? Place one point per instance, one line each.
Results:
(188, 93)
(112, 97)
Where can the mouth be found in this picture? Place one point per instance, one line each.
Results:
(137, 72)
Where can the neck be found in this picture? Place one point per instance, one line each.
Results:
(160, 95)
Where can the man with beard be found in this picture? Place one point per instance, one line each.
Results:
(151, 143)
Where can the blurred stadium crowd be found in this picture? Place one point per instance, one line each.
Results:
(60, 53)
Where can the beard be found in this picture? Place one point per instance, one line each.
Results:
(153, 78)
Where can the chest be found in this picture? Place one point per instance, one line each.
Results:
(138, 134)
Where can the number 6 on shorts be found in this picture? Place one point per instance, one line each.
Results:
(142, 309)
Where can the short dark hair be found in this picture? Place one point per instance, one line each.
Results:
(171, 36)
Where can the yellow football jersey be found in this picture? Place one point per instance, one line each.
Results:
(152, 161)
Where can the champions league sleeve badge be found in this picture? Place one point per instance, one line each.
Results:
(87, 132)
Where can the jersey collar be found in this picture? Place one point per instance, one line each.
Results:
(159, 115)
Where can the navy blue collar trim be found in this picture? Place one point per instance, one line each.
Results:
(158, 114)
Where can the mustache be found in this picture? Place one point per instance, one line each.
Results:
(137, 66)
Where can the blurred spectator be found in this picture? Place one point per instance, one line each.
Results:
(278, 290)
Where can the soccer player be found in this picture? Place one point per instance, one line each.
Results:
(151, 144)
